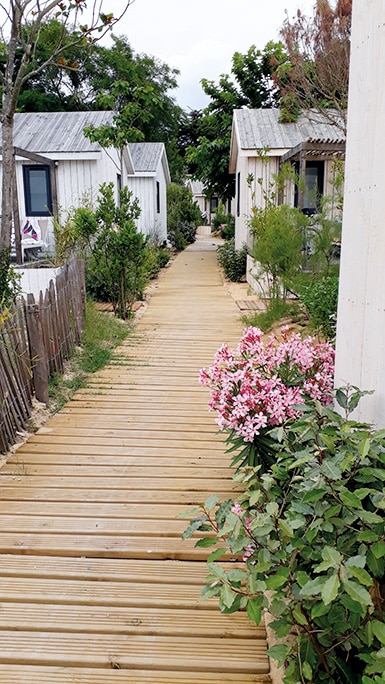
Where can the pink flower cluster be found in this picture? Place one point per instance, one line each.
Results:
(258, 384)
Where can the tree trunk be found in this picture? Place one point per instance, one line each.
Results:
(8, 170)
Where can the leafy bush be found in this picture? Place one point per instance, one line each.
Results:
(114, 248)
(183, 216)
(278, 242)
(223, 222)
(233, 261)
(320, 298)
(311, 534)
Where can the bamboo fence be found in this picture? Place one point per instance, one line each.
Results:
(36, 337)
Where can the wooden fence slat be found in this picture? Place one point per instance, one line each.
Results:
(38, 356)
(34, 342)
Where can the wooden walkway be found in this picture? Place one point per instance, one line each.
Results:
(96, 586)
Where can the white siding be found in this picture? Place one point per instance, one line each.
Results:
(360, 356)
(77, 180)
(151, 222)
(251, 194)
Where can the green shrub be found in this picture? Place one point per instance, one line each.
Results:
(320, 299)
(233, 261)
(183, 216)
(311, 531)
(114, 248)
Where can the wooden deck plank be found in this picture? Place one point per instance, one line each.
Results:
(187, 498)
(194, 484)
(103, 570)
(96, 584)
(101, 546)
(117, 651)
(27, 469)
(37, 617)
(22, 460)
(27, 674)
(130, 526)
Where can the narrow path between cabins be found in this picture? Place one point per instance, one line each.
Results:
(96, 585)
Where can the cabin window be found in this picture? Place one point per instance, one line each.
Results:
(157, 197)
(37, 190)
(314, 186)
(213, 204)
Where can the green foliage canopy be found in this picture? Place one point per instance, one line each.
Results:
(249, 85)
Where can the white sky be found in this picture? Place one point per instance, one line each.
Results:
(199, 38)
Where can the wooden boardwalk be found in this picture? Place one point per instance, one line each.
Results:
(96, 585)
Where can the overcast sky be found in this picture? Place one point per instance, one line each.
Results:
(199, 38)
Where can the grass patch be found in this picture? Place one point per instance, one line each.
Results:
(102, 334)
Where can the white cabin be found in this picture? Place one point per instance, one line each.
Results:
(58, 168)
(260, 144)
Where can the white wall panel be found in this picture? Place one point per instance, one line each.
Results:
(361, 312)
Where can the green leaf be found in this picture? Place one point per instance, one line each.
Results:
(254, 611)
(358, 593)
(350, 499)
(318, 610)
(312, 587)
(362, 575)
(313, 495)
(298, 616)
(206, 541)
(285, 527)
(214, 555)
(191, 513)
(211, 502)
(307, 671)
(376, 565)
(379, 630)
(193, 527)
(331, 559)
(330, 589)
(342, 399)
(228, 596)
(331, 470)
(275, 581)
(216, 570)
(364, 446)
(279, 652)
(378, 549)
(236, 575)
(255, 497)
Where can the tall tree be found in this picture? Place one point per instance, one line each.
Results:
(20, 31)
(144, 80)
(316, 74)
(250, 85)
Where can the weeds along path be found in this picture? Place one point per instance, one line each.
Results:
(96, 584)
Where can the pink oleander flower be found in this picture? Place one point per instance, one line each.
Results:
(248, 552)
(260, 383)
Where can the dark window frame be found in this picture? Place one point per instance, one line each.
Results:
(157, 197)
(48, 207)
(320, 166)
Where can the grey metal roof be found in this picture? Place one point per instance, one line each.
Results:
(146, 156)
(50, 132)
(260, 128)
(196, 187)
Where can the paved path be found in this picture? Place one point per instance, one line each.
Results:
(96, 585)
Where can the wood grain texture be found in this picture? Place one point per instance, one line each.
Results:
(96, 584)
